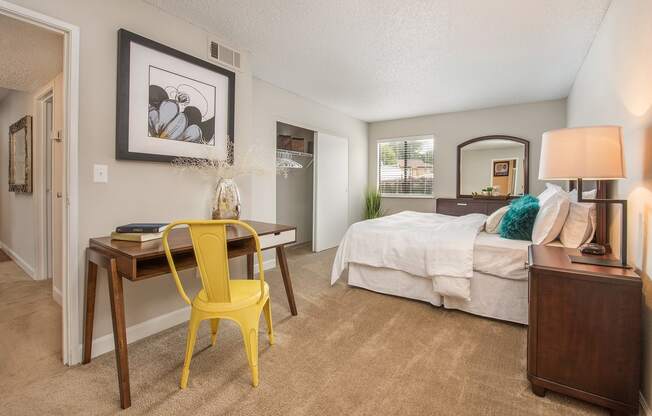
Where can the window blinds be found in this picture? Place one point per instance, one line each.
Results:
(405, 166)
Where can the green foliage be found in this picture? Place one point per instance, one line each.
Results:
(372, 204)
(518, 222)
(387, 155)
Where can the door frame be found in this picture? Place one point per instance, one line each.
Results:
(40, 175)
(71, 266)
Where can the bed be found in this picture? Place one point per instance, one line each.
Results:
(497, 279)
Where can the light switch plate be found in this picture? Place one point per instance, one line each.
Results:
(100, 173)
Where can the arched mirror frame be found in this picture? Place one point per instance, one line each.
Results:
(526, 160)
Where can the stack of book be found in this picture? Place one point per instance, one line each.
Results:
(139, 232)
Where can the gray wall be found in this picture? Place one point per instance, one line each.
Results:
(17, 211)
(614, 87)
(527, 121)
(144, 191)
(273, 104)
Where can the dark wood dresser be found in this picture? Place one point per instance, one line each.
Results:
(584, 334)
(463, 206)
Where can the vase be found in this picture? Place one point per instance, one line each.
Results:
(226, 205)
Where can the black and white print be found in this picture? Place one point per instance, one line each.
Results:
(171, 104)
(180, 108)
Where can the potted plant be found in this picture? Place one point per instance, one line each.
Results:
(372, 204)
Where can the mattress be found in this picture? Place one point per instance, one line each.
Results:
(500, 257)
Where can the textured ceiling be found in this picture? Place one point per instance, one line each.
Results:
(385, 59)
(30, 56)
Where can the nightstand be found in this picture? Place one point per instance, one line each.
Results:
(584, 333)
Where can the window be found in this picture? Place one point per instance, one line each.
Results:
(405, 166)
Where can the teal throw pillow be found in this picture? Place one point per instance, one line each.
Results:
(518, 222)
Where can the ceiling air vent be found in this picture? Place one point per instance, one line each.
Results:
(223, 55)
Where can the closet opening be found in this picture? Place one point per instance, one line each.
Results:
(295, 148)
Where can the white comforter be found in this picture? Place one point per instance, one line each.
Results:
(422, 244)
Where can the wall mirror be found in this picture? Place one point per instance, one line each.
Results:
(493, 166)
(20, 156)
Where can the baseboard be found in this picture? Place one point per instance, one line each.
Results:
(19, 260)
(267, 265)
(644, 406)
(56, 295)
(142, 330)
(153, 326)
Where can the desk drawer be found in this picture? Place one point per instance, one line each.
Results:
(273, 240)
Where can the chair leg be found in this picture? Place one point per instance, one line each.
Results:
(193, 325)
(214, 324)
(267, 309)
(249, 330)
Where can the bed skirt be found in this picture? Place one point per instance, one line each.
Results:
(491, 296)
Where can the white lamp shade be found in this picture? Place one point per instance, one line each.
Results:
(583, 152)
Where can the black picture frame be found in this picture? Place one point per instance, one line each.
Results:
(497, 168)
(125, 39)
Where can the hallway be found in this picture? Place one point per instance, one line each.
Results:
(30, 324)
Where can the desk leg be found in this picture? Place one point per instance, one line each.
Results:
(285, 272)
(119, 333)
(250, 266)
(91, 285)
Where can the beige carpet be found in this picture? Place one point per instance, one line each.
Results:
(30, 331)
(349, 352)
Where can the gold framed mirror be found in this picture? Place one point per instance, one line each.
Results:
(20, 156)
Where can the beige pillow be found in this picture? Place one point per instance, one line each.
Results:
(579, 226)
(551, 218)
(493, 221)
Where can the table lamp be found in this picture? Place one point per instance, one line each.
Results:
(594, 153)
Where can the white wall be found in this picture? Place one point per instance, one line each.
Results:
(17, 211)
(614, 86)
(272, 104)
(527, 121)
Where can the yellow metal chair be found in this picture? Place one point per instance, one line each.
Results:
(222, 298)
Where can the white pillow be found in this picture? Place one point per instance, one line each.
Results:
(493, 221)
(550, 191)
(585, 194)
(579, 227)
(551, 217)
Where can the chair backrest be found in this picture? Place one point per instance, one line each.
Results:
(209, 241)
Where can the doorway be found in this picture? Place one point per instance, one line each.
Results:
(62, 257)
(312, 188)
(294, 183)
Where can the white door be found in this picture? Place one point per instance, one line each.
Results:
(331, 188)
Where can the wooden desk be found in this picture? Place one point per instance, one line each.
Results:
(140, 261)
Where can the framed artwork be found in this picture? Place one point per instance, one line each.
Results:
(171, 104)
(20, 156)
(501, 168)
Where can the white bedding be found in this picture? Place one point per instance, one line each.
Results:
(500, 257)
(428, 245)
(491, 296)
(367, 243)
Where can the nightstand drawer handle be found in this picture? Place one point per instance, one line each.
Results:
(462, 204)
